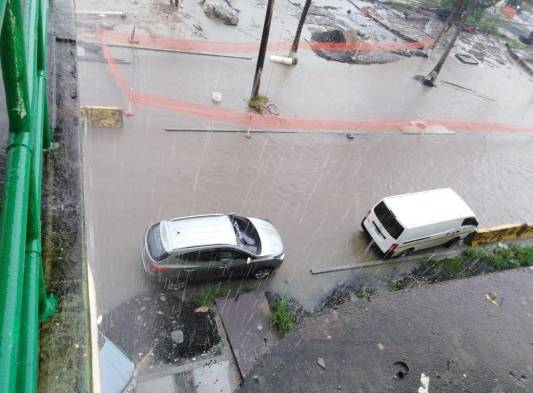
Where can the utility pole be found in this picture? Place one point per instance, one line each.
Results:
(431, 78)
(296, 42)
(262, 50)
(456, 10)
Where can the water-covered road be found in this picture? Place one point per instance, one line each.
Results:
(315, 187)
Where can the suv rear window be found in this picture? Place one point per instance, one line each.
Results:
(388, 220)
(155, 246)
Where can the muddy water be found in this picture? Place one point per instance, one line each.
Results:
(314, 188)
(325, 89)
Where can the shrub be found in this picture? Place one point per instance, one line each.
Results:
(281, 316)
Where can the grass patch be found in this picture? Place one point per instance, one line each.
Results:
(281, 316)
(208, 295)
(394, 286)
(472, 262)
(502, 258)
(258, 103)
(492, 27)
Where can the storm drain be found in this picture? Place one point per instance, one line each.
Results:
(466, 59)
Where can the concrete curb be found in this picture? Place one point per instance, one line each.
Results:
(507, 232)
(515, 55)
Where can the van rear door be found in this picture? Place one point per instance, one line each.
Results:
(383, 226)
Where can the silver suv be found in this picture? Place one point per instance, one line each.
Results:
(212, 247)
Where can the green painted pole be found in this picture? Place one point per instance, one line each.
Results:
(12, 55)
(47, 304)
(29, 336)
(13, 216)
(41, 65)
(47, 132)
(30, 31)
(2, 12)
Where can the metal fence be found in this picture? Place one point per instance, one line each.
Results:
(23, 299)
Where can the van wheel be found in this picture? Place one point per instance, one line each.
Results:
(261, 274)
(451, 242)
(405, 253)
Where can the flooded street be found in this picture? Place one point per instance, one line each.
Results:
(315, 188)
(346, 134)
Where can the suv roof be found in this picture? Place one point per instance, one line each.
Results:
(197, 231)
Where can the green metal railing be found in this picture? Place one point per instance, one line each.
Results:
(23, 299)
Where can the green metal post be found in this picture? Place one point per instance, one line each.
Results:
(13, 216)
(29, 335)
(47, 133)
(2, 12)
(14, 68)
(47, 304)
(31, 20)
(41, 65)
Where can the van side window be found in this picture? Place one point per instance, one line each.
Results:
(470, 221)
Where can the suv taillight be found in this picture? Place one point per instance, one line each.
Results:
(393, 247)
(156, 268)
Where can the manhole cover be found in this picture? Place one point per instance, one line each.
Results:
(466, 58)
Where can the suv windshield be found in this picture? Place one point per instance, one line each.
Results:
(388, 220)
(247, 235)
(155, 246)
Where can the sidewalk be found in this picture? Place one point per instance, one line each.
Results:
(469, 335)
(523, 58)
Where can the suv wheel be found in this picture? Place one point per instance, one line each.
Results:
(261, 274)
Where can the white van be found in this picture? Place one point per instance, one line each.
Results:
(405, 223)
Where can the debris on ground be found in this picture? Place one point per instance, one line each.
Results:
(321, 363)
(424, 384)
(164, 325)
(216, 96)
(492, 296)
(222, 10)
(202, 309)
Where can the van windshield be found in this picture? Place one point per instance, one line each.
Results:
(155, 246)
(388, 220)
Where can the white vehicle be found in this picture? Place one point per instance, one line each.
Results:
(405, 223)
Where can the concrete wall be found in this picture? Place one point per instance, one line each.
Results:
(502, 233)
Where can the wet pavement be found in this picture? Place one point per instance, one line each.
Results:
(314, 186)
(471, 335)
